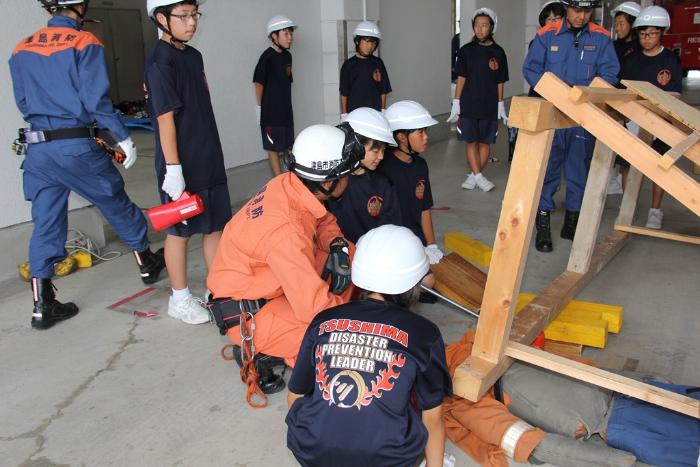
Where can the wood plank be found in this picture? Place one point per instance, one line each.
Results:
(513, 236)
(563, 349)
(644, 114)
(459, 280)
(613, 315)
(469, 248)
(677, 151)
(580, 94)
(578, 330)
(674, 181)
(671, 105)
(605, 379)
(594, 198)
(630, 197)
(536, 114)
(658, 234)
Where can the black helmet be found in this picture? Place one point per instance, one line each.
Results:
(585, 4)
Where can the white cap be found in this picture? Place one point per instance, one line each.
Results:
(367, 29)
(488, 12)
(653, 16)
(279, 22)
(323, 152)
(389, 260)
(631, 8)
(151, 5)
(408, 115)
(370, 123)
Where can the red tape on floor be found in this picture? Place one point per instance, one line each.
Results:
(130, 298)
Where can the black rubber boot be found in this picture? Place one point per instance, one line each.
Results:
(270, 382)
(569, 228)
(543, 239)
(47, 310)
(150, 264)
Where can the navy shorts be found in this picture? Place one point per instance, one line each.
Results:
(277, 138)
(474, 130)
(217, 212)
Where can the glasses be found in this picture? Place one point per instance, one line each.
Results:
(649, 35)
(194, 16)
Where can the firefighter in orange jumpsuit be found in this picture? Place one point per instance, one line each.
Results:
(277, 252)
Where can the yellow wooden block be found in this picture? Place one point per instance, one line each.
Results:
(611, 314)
(468, 248)
(593, 334)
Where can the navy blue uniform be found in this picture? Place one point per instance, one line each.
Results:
(484, 67)
(274, 73)
(357, 367)
(455, 53)
(363, 81)
(175, 81)
(369, 201)
(576, 57)
(412, 184)
(60, 80)
(623, 48)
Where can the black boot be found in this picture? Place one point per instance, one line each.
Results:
(270, 382)
(570, 222)
(150, 264)
(47, 310)
(543, 239)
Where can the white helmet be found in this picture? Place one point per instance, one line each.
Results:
(631, 8)
(389, 260)
(152, 5)
(488, 12)
(323, 153)
(653, 16)
(279, 22)
(367, 29)
(408, 115)
(370, 124)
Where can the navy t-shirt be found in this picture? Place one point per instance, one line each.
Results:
(369, 201)
(662, 70)
(623, 47)
(175, 81)
(484, 67)
(274, 72)
(357, 367)
(412, 184)
(363, 81)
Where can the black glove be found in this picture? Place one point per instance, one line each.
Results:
(338, 266)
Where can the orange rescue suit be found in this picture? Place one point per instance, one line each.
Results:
(275, 248)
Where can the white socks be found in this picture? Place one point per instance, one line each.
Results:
(180, 295)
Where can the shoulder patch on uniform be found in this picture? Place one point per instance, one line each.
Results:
(593, 27)
(48, 41)
(549, 27)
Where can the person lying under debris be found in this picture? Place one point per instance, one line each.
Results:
(360, 365)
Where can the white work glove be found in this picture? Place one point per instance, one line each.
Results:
(447, 461)
(454, 113)
(258, 110)
(502, 112)
(129, 149)
(174, 182)
(434, 253)
(343, 117)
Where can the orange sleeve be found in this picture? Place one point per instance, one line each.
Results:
(326, 230)
(291, 260)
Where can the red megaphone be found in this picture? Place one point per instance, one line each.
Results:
(183, 208)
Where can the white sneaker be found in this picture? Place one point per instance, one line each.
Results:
(190, 310)
(615, 184)
(483, 183)
(655, 219)
(469, 182)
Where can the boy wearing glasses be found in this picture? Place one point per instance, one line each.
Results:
(364, 81)
(188, 150)
(273, 92)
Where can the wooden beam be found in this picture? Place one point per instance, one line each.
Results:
(459, 280)
(476, 375)
(535, 115)
(563, 349)
(674, 181)
(513, 237)
(664, 116)
(671, 105)
(592, 207)
(658, 234)
(580, 94)
(589, 374)
(677, 151)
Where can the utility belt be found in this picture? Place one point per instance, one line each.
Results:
(26, 136)
(227, 312)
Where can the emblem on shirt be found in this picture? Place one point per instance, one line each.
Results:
(357, 348)
(554, 48)
(377, 75)
(664, 77)
(493, 64)
(374, 205)
(420, 189)
(288, 69)
(255, 208)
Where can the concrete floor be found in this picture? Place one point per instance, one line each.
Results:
(109, 388)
